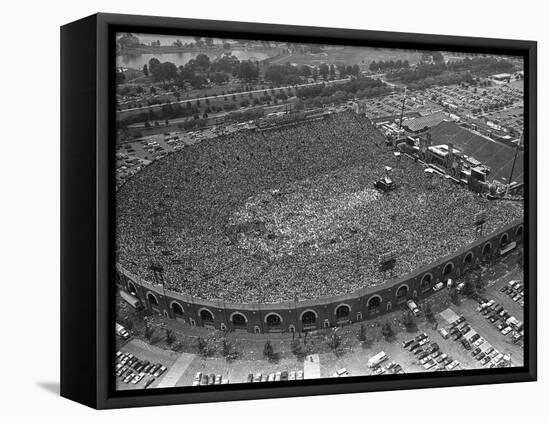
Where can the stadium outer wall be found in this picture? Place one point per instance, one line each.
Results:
(323, 312)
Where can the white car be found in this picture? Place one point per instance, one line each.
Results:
(137, 378)
(271, 377)
(452, 365)
(506, 330)
(341, 372)
(479, 342)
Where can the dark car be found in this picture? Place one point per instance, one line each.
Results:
(458, 336)
(419, 351)
(460, 320)
(414, 346)
(475, 337)
(284, 376)
(406, 344)
(480, 356)
(420, 337)
(465, 330)
(476, 351)
(423, 355)
(250, 378)
(466, 344)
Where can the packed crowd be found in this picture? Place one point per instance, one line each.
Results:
(290, 214)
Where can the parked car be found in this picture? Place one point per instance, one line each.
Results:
(485, 360)
(479, 342)
(160, 371)
(452, 365)
(506, 330)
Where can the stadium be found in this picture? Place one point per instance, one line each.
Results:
(284, 229)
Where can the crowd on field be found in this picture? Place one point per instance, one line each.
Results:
(291, 213)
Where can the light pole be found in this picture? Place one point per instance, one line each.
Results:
(158, 273)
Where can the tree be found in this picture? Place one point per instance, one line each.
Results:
(268, 350)
(149, 329)
(153, 63)
(362, 335)
(454, 297)
(428, 312)
(469, 288)
(387, 331)
(408, 320)
(202, 346)
(201, 61)
(170, 338)
(479, 282)
(247, 71)
(296, 348)
(323, 70)
(145, 70)
(226, 347)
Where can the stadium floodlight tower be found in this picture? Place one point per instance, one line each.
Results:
(387, 262)
(480, 220)
(158, 274)
(402, 108)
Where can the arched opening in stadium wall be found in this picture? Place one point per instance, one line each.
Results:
(206, 316)
(468, 259)
(152, 299)
(308, 318)
(426, 282)
(132, 288)
(343, 312)
(447, 270)
(504, 239)
(402, 293)
(373, 305)
(519, 234)
(273, 321)
(487, 249)
(177, 309)
(238, 320)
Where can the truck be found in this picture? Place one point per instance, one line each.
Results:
(413, 307)
(375, 360)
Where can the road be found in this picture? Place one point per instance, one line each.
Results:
(212, 97)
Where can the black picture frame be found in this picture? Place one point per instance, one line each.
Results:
(87, 213)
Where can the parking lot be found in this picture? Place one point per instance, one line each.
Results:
(353, 359)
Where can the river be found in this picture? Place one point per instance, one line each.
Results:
(181, 58)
